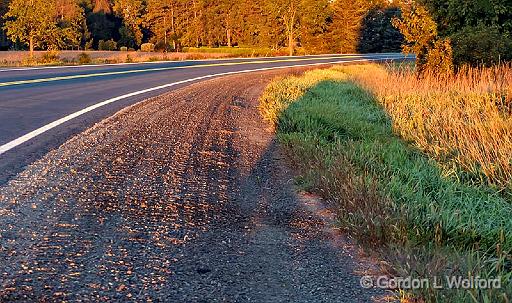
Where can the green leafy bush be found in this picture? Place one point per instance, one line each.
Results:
(439, 58)
(434, 54)
(89, 45)
(109, 45)
(161, 46)
(481, 45)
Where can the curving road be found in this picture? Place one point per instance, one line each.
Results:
(40, 108)
(185, 197)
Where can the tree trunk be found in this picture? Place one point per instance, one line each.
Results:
(290, 42)
(165, 42)
(228, 32)
(31, 46)
(173, 29)
(165, 35)
(291, 27)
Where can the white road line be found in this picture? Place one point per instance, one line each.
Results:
(185, 61)
(137, 71)
(17, 142)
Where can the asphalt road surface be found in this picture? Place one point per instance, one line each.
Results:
(31, 99)
(184, 197)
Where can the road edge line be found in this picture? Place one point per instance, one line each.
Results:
(43, 129)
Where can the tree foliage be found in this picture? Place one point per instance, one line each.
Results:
(313, 26)
(32, 22)
(377, 32)
(131, 11)
(481, 30)
(421, 37)
(346, 24)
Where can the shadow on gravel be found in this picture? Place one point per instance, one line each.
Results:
(183, 198)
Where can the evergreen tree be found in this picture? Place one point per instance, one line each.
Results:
(4, 41)
(346, 24)
(160, 19)
(377, 32)
(315, 23)
(71, 22)
(102, 6)
(131, 11)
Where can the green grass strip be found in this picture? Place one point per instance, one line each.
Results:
(323, 112)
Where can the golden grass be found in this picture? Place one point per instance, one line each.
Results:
(463, 121)
(280, 93)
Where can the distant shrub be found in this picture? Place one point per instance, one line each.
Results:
(89, 44)
(481, 45)
(101, 45)
(51, 56)
(161, 46)
(123, 48)
(84, 58)
(108, 45)
(147, 47)
(28, 61)
(129, 58)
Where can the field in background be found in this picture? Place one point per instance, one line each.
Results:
(22, 58)
(243, 51)
(398, 157)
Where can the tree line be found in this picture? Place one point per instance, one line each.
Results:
(317, 26)
(474, 32)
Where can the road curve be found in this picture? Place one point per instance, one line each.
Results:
(182, 198)
(40, 108)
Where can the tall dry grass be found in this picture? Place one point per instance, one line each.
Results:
(464, 121)
(390, 195)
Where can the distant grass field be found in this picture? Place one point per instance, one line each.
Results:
(49, 58)
(358, 135)
(239, 51)
(22, 58)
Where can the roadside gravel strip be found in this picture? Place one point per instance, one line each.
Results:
(181, 198)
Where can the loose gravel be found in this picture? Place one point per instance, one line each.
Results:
(182, 198)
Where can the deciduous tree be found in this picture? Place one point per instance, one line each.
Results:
(420, 31)
(32, 22)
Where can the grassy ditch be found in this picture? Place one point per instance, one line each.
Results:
(389, 193)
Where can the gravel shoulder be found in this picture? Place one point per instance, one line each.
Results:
(182, 198)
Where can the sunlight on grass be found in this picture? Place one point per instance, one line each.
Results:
(345, 134)
(465, 122)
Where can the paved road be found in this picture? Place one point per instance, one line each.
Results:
(33, 98)
(183, 198)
